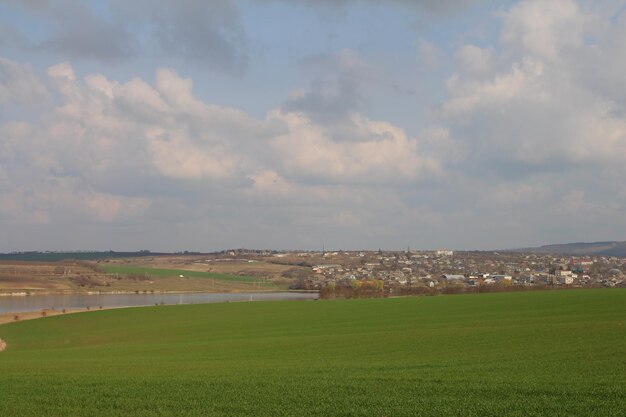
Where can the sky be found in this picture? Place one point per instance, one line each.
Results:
(171, 125)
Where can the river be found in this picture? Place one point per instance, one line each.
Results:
(18, 304)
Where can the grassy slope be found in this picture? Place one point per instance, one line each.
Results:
(159, 272)
(541, 353)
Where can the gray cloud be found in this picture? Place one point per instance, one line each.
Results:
(327, 101)
(90, 38)
(208, 34)
(205, 33)
(435, 6)
(527, 147)
(185, 161)
(18, 84)
(9, 35)
(336, 89)
(75, 31)
(543, 101)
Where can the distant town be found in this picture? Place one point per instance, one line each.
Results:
(334, 274)
(442, 270)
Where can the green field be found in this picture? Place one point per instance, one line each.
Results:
(552, 353)
(159, 272)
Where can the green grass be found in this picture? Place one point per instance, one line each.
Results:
(553, 353)
(159, 272)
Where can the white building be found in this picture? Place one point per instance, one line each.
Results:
(452, 277)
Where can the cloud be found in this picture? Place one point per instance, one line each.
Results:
(476, 61)
(110, 152)
(271, 183)
(336, 87)
(99, 132)
(177, 157)
(537, 28)
(107, 207)
(204, 32)
(80, 34)
(73, 30)
(430, 56)
(9, 35)
(535, 124)
(434, 6)
(371, 152)
(525, 146)
(543, 108)
(208, 34)
(18, 84)
(66, 200)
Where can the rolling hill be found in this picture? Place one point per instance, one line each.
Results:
(612, 248)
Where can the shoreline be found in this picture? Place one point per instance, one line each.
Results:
(6, 318)
(28, 293)
(14, 316)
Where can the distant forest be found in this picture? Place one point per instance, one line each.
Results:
(78, 256)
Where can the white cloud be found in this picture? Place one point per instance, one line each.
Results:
(475, 60)
(430, 55)
(106, 152)
(178, 157)
(528, 139)
(271, 183)
(14, 209)
(543, 107)
(101, 133)
(62, 71)
(370, 152)
(546, 29)
(107, 207)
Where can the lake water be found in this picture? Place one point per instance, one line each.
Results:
(95, 301)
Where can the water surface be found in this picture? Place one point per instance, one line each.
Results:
(95, 301)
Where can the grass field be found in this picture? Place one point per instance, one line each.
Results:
(553, 353)
(160, 272)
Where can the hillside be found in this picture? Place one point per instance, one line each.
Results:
(514, 354)
(581, 249)
(108, 277)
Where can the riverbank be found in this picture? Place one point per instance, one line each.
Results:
(44, 305)
(31, 293)
(31, 315)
